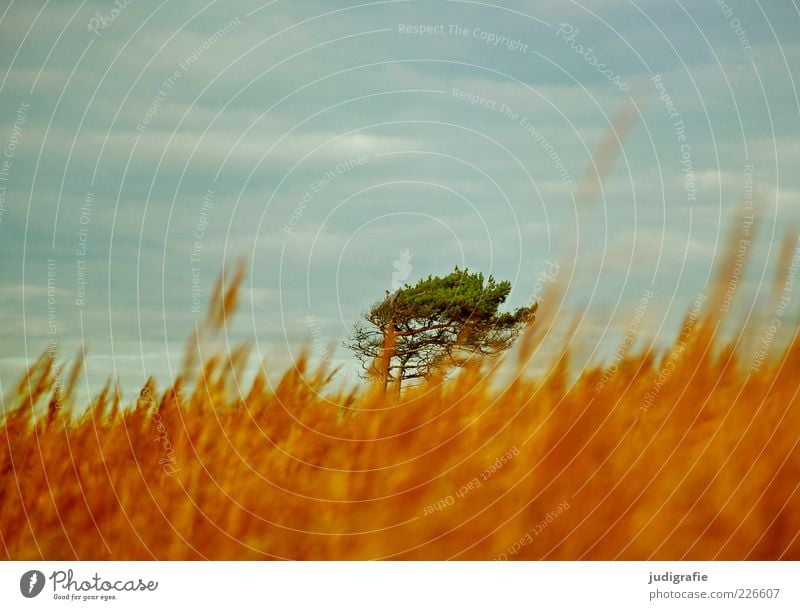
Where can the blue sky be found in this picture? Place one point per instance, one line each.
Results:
(147, 143)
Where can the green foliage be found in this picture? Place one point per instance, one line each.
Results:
(438, 322)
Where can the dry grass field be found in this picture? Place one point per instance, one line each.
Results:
(685, 453)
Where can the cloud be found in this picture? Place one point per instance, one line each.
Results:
(488, 178)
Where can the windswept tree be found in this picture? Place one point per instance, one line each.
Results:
(438, 323)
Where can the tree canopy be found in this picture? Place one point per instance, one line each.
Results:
(438, 322)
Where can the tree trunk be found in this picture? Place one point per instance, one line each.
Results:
(387, 352)
(399, 380)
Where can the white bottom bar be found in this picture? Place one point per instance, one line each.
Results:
(401, 585)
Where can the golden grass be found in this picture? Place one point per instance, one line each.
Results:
(686, 454)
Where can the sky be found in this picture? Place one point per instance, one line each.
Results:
(341, 148)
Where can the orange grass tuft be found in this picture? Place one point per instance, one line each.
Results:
(687, 454)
